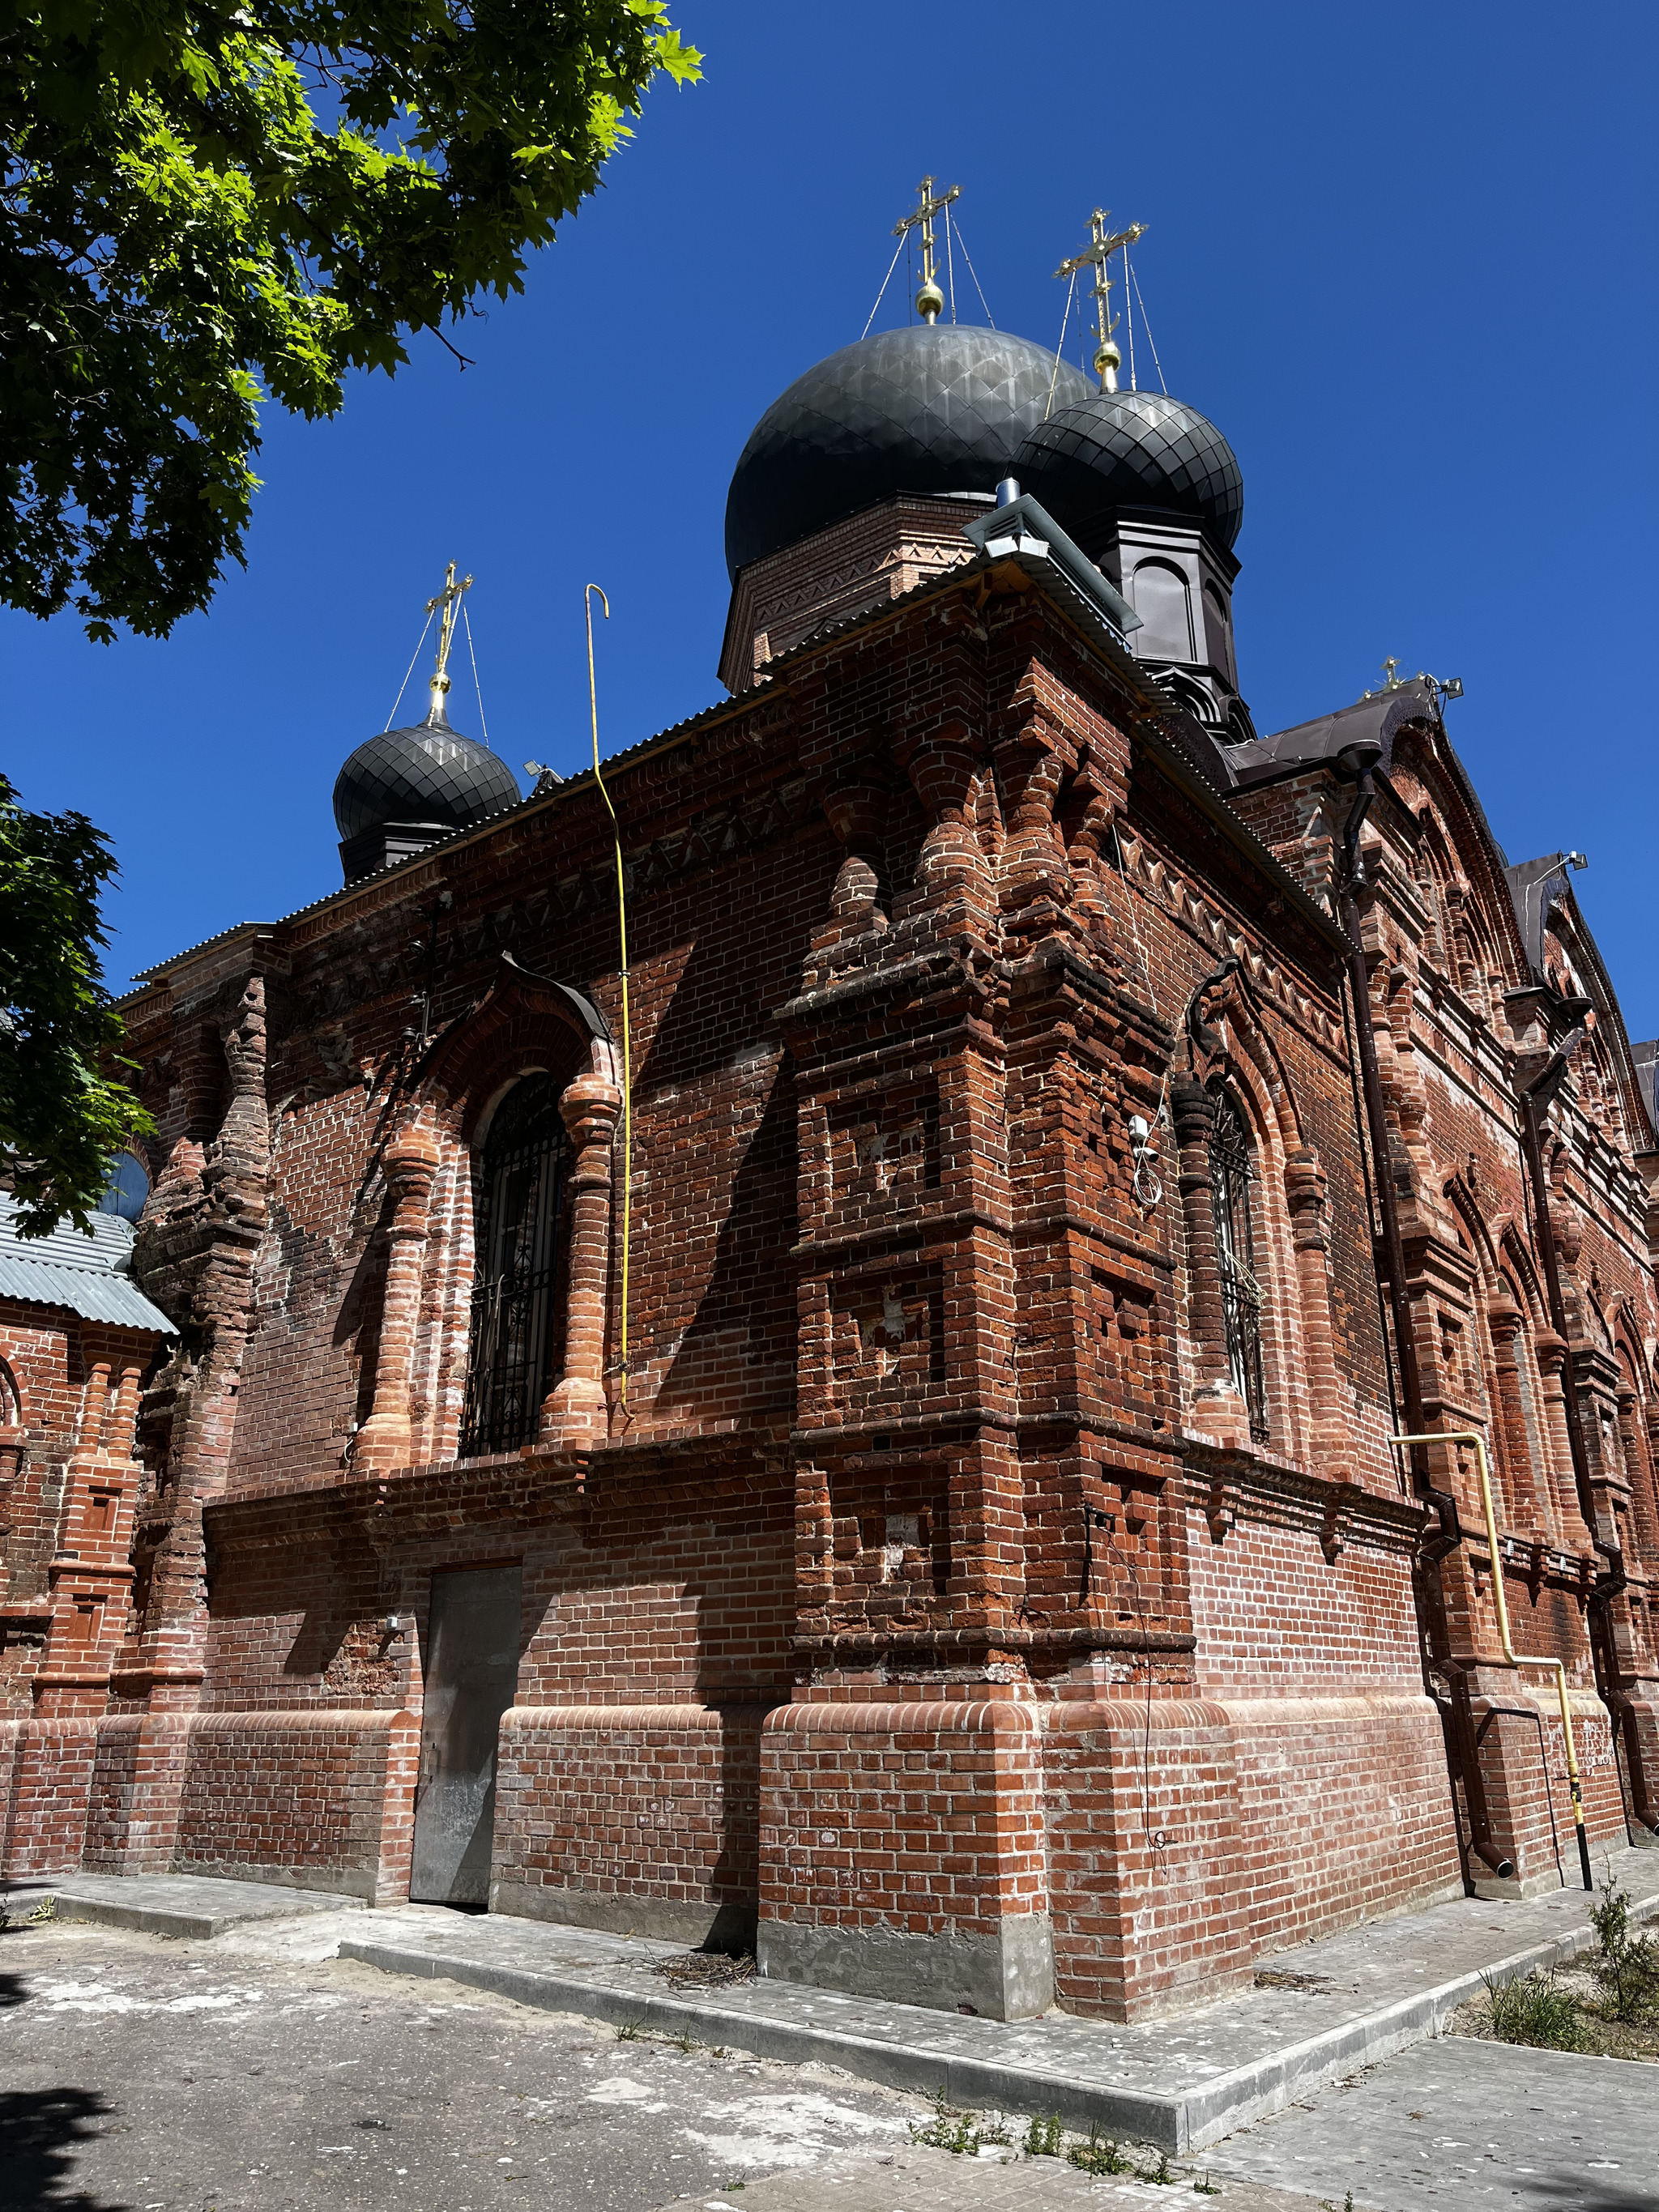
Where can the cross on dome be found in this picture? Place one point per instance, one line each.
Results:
(450, 600)
(1102, 245)
(930, 301)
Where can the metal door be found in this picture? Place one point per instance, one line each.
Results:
(471, 1671)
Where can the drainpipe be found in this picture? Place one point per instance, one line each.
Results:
(1354, 763)
(1536, 1098)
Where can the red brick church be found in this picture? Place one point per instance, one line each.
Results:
(1067, 1136)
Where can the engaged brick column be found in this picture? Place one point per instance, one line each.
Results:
(1217, 1408)
(574, 1409)
(384, 1442)
(1304, 1194)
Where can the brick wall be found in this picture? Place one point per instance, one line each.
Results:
(640, 1819)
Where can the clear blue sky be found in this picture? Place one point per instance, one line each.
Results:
(1402, 256)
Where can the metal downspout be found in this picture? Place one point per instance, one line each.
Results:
(1463, 1750)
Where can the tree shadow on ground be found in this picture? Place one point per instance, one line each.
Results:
(39, 2131)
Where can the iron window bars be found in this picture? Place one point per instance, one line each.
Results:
(1242, 1298)
(518, 1199)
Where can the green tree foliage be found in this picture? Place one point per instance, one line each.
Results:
(201, 205)
(61, 1115)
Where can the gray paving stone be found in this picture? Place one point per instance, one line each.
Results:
(1458, 2123)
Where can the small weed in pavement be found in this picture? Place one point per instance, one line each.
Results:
(1044, 2137)
(1536, 2011)
(1205, 2187)
(951, 2130)
(1100, 2155)
(631, 2031)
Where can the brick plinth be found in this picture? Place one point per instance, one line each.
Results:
(901, 1852)
(634, 1818)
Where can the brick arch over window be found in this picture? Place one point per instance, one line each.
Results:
(527, 1027)
(522, 1024)
(1307, 1420)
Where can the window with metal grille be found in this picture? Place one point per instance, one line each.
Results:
(1230, 1177)
(517, 1200)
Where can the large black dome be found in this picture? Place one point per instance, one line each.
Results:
(932, 408)
(429, 774)
(1114, 450)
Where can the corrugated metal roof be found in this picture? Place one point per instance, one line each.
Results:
(90, 1275)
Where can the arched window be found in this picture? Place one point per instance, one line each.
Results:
(517, 1200)
(1230, 1176)
(1164, 605)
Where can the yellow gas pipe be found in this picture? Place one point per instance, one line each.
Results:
(627, 1027)
(1557, 1667)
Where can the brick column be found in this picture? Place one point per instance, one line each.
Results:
(384, 1441)
(1304, 1195)
(1552, 1358)
(1217, 1408)
(574, 1409)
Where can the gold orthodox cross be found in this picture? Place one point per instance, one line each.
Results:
(930, 301)
(450, 600)
(1102, 246)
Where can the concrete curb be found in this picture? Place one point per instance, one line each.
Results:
(1186, 2120)
(170, 1920)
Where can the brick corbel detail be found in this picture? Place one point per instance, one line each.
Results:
(384, 1442)
(1033, 871)
(1304, 1196)
(943, 769)
(1105, 786)
(574, 1410)
(857, 813)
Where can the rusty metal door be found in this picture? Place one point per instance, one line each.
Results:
(472, 1671)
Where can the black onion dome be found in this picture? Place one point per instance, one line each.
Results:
(932, 408)
(428, 773)
(1118, 450)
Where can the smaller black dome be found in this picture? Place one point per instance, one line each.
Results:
(428, 773)
(1118, 450)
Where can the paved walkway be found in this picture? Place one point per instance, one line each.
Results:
(1181, 2083)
